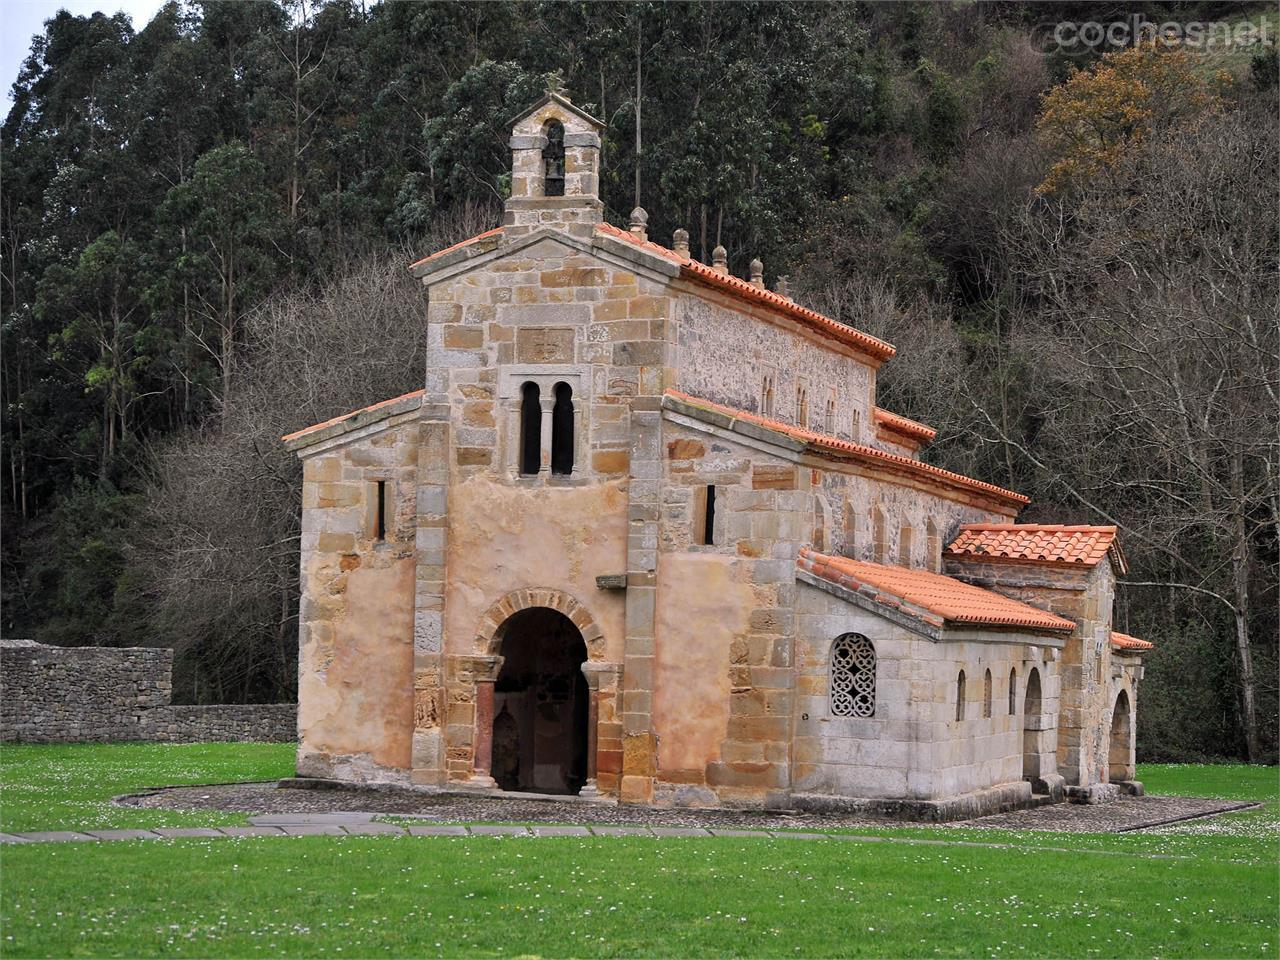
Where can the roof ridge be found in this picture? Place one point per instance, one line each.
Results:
(839, 446)
(699, 272)
(937, 594)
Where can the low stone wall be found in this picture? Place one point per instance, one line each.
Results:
(263, 722)
(112, 694)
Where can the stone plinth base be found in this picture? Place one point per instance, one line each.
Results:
(998, 799)
(1094, 793)
(1133, 788)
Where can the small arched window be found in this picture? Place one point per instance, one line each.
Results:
(853, 677)
(879, 535)
(960, 696)
(562, 430)
(933, 546)
(766, 396)
(530, 429)
(850, 530)
(986, 694)
(906, 536)
(553, 160)
(802, 405)
(1013, 692)
(819, 537)
(829, 417)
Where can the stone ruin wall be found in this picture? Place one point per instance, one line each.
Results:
(112, 694)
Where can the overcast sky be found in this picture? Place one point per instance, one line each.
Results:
(20, 20)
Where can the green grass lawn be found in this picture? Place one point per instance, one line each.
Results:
(70, 786)
(396, 896)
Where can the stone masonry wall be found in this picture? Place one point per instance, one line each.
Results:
(110, 694)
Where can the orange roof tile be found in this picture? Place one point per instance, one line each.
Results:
(1038, 543)
(942, 598)
(691, 269)
(1122, 641)
(495, 232)
(347, 416)
(904, 425)
(834, 446)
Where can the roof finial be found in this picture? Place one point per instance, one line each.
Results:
(757, 273)
(680, 242)
(639, 224)
(782, 288)
(720, 259)
(555, 84)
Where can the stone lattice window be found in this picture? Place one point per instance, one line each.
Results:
(766, 396)
(853, 677)
(829, 416)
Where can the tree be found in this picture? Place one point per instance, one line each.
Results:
(96, 306)
(226, 215)
(1159, 370)
(1091, 123)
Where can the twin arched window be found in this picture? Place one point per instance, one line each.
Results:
(562, 429)
(853, 677)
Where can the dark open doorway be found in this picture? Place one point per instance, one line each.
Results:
(541, 703)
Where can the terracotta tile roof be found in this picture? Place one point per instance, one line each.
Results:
(833, 446)
(691, 269)
(1038, 543)
(495, 232)
(897, 423)
(347, 416)
(1122, 641)
(940, 598)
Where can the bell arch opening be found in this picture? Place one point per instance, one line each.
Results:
(541, 704)
(1031, 728)
(1121, 768)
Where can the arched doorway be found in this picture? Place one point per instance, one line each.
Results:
(1121, 738)
(540, 704)
(1031, 728)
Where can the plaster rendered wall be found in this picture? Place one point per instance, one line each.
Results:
(355, 682)
(547, 313)
(725, 353)
(723, 682)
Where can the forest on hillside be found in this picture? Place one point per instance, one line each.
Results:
(206, 221)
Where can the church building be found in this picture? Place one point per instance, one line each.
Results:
(645, 536)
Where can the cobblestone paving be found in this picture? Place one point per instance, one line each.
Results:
(1127, 813)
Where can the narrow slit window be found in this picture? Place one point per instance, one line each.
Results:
(553, 160)
(986, 694)
(380, 511)
(960, 696)
(562, 430)
(1013, 692)
(530, 429)
(709, 516)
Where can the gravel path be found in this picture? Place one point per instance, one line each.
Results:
(1125, 814)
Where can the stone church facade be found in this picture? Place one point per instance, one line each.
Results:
(645, 535)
